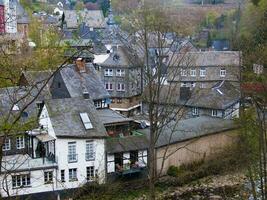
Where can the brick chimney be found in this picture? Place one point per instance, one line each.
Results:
(80, 64)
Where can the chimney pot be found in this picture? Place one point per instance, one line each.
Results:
(80, 64)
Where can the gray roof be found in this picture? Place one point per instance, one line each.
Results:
(65, 118)
(123, 144)
(206, 59)
(191, 128)
(108, 116)
(93, 18)
(22, 15)
(71, 18)
(221, 96)
(14, 99)
(78, 82)
(120, 56)
(38, 79)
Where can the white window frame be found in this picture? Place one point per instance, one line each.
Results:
(22, 180)
(73, 174)
(108, 72)
(195, 111)
(214, 113)
(120, 72)
(183, 72)
(90, 173)
(48, 177)
(120, 88)
(193, 72)
(20, 142)
(202, 72)
(193, 84)
(98, 104)
(222, 72)
(109, 86)
(6, 145)
(89, 150)
(72, 152)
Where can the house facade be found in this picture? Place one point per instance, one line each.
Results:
(122, 79)
(204, 69)
(56, 157)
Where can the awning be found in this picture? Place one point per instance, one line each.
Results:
(45, 138)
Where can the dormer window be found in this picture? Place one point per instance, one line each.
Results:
(116, 57)
(86, 121)
(15, 107)
(222, 72)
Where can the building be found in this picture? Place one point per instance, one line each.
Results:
(66, 151)
(10, 16)
(122, 77)
(2, 17)
(192, 140)
(204, 69)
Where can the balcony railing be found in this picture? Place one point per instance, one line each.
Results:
(72, 158)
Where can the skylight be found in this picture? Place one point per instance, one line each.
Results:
(86, 121)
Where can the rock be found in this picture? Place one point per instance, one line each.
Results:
(215, 197)
(196, 197)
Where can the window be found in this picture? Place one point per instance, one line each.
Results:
(120, 87)
(193, 84)
(48, 177)
(98, 104)
(7, 145)
(109, 86)
(21, 180)
(202, 85)
(108, 72)
(72, 156)
(202, 72)
(20, 142)
(183, 72)
(58, 85)
(90, 173)
(90, 150)
(119, 100)
(73, 174)
(86, 121)
(62, 175)
(193, 72)
(183, 84)
(120, 72)
(222, 72)
(214, 113)
(195, 111)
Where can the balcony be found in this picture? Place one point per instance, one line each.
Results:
(72, 158)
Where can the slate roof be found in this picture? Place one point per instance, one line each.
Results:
(206, 59)
(191, 128)
(221, 96)
(22, 15)
(65, 118)
(108, 117)
(77, 82)
(38, 79)
(71, 18)
(120, 56)
(93, 18)
(18, 98)
(129, 143)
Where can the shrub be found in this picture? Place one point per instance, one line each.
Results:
(173, 171)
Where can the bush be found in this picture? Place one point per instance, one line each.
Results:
(173, 171)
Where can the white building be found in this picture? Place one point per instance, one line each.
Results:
(10, 16)
(66, 152)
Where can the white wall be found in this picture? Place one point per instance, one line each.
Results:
(10, 17)
(37, 184)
